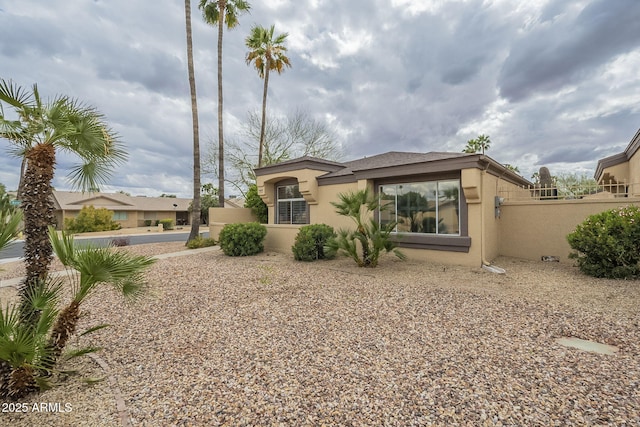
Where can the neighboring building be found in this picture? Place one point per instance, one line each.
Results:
(127, 210)
(620, 173)
(234, 202)
(446, 204)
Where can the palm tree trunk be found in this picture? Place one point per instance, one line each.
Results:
(264, 112)
(222, 6)
(64, 327)
(21, 382)
(23, 166)
(37, 205)
(195, 213)
(5, 377)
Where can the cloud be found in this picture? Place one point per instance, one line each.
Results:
(568, 45)
(550, 81)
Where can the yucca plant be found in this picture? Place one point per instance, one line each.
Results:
(373, 237)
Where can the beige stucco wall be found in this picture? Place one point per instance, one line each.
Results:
(490, 237)
(530, 230)
(324, 212)
(634, 175)
(280, 237)
(232, 215)
(471, 181)
(132, 220)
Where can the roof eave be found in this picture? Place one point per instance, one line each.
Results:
(297, 164)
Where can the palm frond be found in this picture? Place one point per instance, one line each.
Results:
(44, 383)
(119, 268)
(80, 352)
(10, 220)
(63, 246)
(14, 95)
(95, 328)
(93, 380)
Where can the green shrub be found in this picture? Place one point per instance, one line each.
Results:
(91, 219)
(257, 205)
(167, 223)
(369, 240)
(608, 244)
(147, 223)
(242, 239)
(310, 242)
(200, 242)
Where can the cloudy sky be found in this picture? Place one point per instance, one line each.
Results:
(553, 82)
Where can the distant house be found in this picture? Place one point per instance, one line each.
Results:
(620, 173)
(127, 210)
(444, 204)
(234, 202)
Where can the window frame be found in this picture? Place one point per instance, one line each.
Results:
(290, 201)
(118, 214)
(460, 242)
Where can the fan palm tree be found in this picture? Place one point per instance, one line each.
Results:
(220, 13)
(267, 53)
(89, 268)
(480, 144)
(40, 129)
(373, 237)
(28, 353)
(195, 213)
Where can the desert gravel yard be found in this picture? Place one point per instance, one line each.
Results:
(265, 340)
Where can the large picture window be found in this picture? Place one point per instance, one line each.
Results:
(291, 207)
(430, 207)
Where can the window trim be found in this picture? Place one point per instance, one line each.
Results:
(286, 183)
(460, 242)
(118, 214)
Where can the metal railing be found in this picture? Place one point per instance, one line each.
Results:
(570, 192)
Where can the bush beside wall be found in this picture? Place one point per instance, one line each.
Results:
(167, 224)
(91, 219)
(608, 244)
(242, 239)
(310, 242)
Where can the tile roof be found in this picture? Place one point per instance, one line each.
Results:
(71, 200)
(392, 158)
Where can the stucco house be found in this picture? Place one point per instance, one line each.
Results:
(445, 204)
(622, 171)
(451, 208)
(129, 211)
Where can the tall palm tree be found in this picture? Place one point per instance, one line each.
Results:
(42, 128)
(195, 213)
(221, 12)
(480, 144)
(267, 53)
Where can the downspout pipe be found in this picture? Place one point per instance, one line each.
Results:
(485, 264)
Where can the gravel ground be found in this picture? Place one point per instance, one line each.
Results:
(266, 340)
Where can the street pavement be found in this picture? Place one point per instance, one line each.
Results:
(136, 236)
